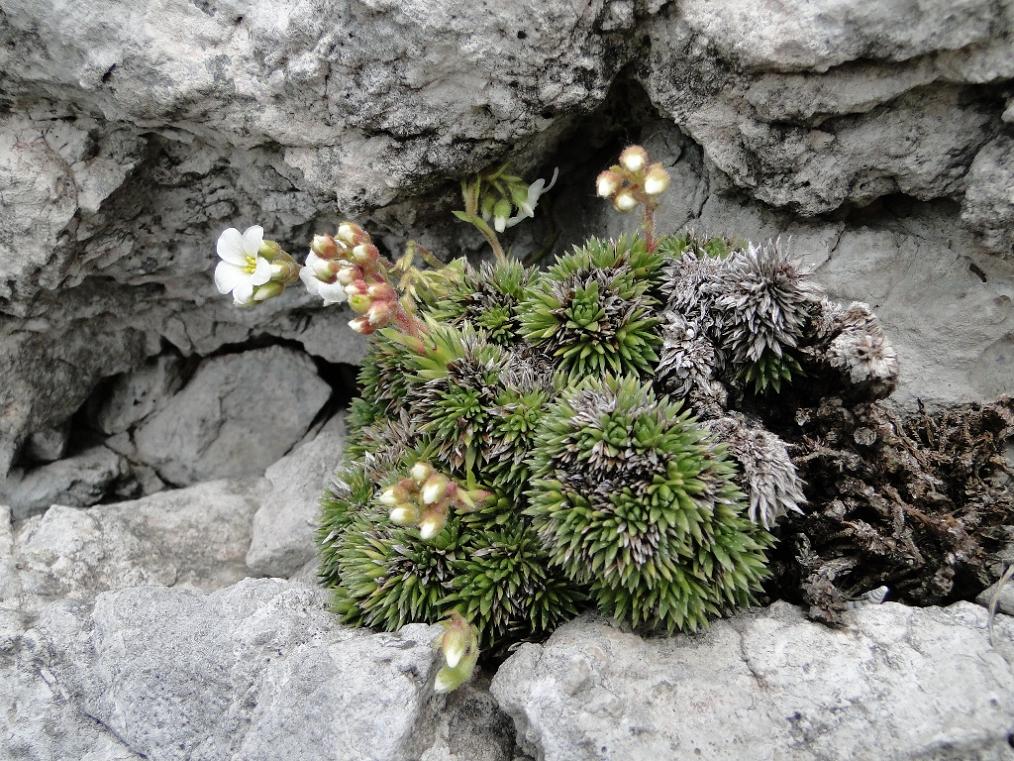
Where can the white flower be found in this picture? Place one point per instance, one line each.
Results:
(527, 209)
(242, 269)
(333, 292)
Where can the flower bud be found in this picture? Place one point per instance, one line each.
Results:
(269, 250)
(381, 292)
(350, 233)
(656, 180)
(365, 253)
(432, 523)
(361, 325)
(435, 488)
(349, 274)
(324, 246)
(404, 514)
(624, 201)
(360, 303)
(284, 270)
(380, 313)
(356, 288)
(607, 183)
(323, 269)
(392, 495)
(633, 158)
(454, 643)
(421, 471)
(268, 291)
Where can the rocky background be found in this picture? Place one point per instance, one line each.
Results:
(877, 136)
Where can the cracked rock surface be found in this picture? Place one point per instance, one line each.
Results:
(769, 684)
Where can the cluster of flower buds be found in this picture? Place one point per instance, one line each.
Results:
(507, 199)
(252, 269)
(459, 645)
(633, 181)
(426, 497)
(349, 264)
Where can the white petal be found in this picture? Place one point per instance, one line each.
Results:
(499, 224)
(242, 294)
(252, 239)
(552, 182)
(518, 219)
(262, 272)
(228, 277)
(310, 281)
(230, 247)
(332, 293)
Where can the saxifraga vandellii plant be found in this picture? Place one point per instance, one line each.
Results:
(529, 442)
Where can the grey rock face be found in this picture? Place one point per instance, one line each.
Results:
(256, 671)
(197, 536)
(283, 526)
(988, 205)
(237, 415)
(10, 588)
(78, 481)
(920, 683)
(46, 445)
(135, 395)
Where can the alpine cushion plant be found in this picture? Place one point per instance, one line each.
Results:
(528, 442)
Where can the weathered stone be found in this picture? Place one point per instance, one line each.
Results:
(133, 396)
(238, 414)
(260, 670)
(78, 481)
(1004, 599)
(197, 536)
(283, 526)
(10, 588)
(899, 682)
(46, 445)
(988, 205)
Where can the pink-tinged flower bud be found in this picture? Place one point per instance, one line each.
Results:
(324, 246)
(380, 313)
(656, 180)
(356, 288)
(323, 269)
(361, 325)
(360, 303)
(349, 274)
(634, 158)
(365, 254)
(381, 292)
(404, 515)
(435, 488)
(392, 495)
(607, 183)
(468, 500)
(432, 522)
(624, 201)
(350, 233)
(421, 471)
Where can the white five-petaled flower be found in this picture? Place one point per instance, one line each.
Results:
(332, 292)
(242, 268)
(535, 191)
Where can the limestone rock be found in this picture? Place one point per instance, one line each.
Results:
(260, 670)
(238, 414)
(898, 682)
(988, 205)
(283, 527)
(77, 481)
(10, 588)
(133, 396)
(1004, 600)
(46, 445)
(197, 536)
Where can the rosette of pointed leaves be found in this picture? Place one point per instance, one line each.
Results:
(458, 385)
(632, 496)
(386, 373)
(388, 576)
(765, 303)
(591, 312)
(507, 587)
(486, 298)
(349, 497)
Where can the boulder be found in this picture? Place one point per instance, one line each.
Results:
(131, 397)
(988, 204)
(238, 414)
(46, 445)
(260, 670)
(897, 682)
(77, 481)
(197, 537)
(283, 527)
